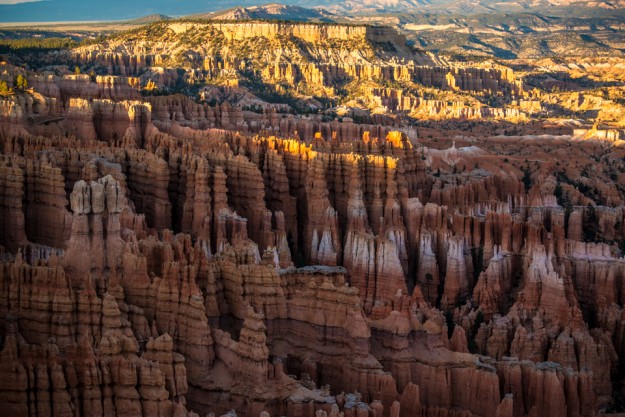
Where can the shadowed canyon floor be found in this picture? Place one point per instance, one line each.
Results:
(281, 219)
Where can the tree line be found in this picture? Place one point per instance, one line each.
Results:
(31, 44)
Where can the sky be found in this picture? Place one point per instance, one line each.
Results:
(15, 1)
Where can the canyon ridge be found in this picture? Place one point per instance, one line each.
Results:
(263, 218)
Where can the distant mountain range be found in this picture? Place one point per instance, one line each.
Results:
(512, 35)
(91, 10)
(273, 11)
(144, 20)
(471, 6)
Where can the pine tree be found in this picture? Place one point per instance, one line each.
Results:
(150, 86)
(21, 82)
(4, 89)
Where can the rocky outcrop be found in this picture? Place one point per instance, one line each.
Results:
(89, 254)
(323, 243)
(120, 122)
(493, 285)
(456, 279)
(12, 221)
(46, 203)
